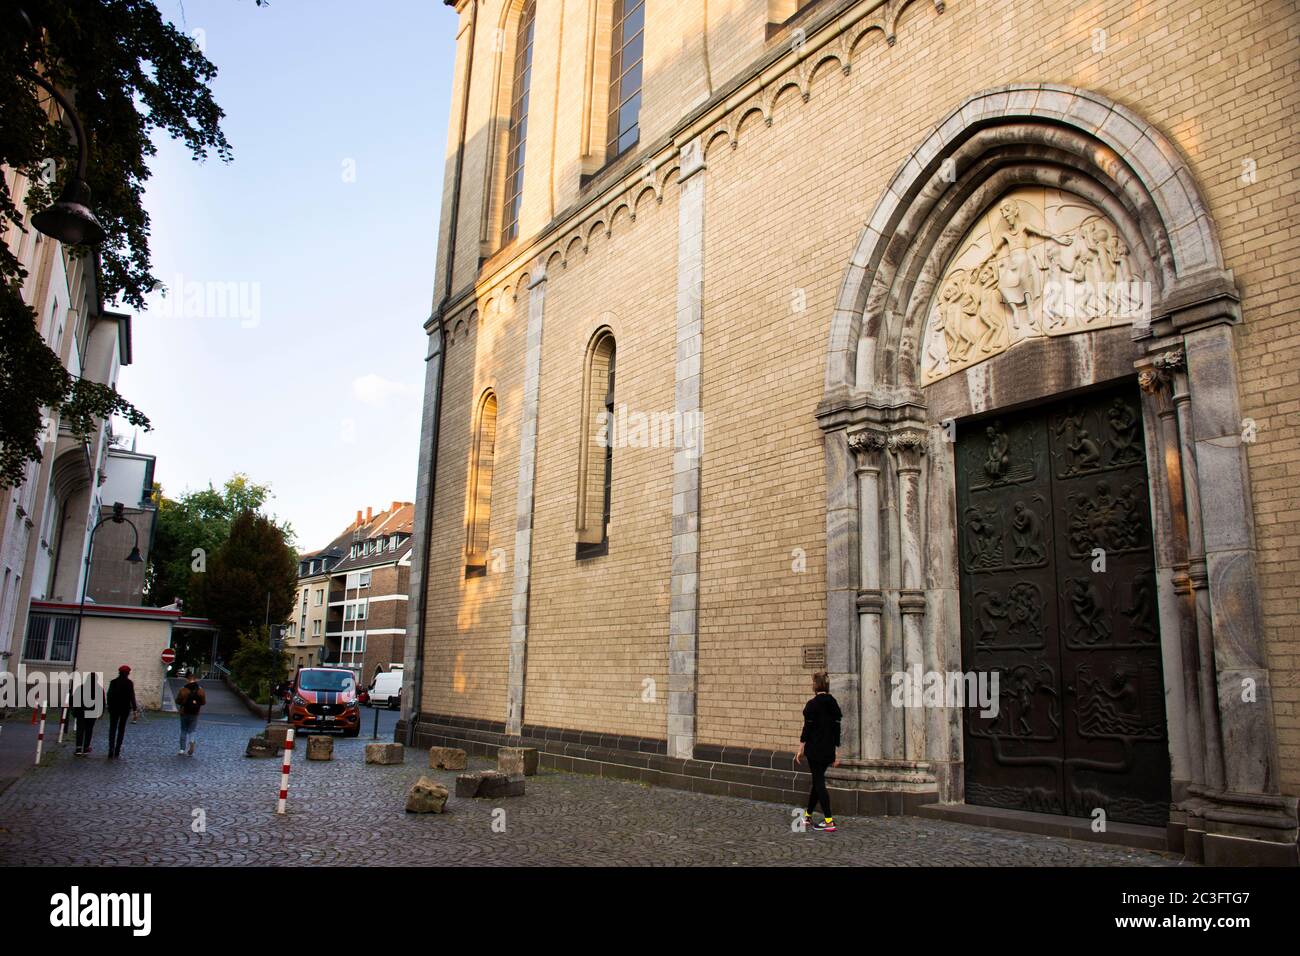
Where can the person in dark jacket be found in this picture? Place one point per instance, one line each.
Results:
(820, 737)
(121, 704)
(190, 701)
(86, 706)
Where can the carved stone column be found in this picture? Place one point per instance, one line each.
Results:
(1231, 810)
(867, 447)
(908, 447)
(1181, 655)
(1174, 365)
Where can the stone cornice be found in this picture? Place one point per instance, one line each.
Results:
(882, 405)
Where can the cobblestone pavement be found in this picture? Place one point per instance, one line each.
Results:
(140, 811)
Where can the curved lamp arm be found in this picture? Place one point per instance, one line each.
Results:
(73, 118)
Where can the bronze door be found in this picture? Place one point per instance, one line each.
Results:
(1058, 599)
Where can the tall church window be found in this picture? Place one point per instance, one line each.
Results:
(523, 74)
(624, 129)
(480, 486)
(596, 456)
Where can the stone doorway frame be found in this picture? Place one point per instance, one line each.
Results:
(892, 587)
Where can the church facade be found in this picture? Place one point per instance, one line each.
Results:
(937, 345)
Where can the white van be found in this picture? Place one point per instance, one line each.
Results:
(387, 689)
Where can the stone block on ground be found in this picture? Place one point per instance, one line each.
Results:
(259, 746)
(496, 784)
(276, 733)
(320, 747)
(447, 758)
(426, 796)
(517, 761)
(385, 753)
(467, 784)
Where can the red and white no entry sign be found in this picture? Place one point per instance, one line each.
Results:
(168, 655)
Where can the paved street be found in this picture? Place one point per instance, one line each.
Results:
(140, 811)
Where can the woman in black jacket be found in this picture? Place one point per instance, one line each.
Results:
(820, 737)
(86, 707)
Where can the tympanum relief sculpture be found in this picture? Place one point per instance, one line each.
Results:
(1040, 262)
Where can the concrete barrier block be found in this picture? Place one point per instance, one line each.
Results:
(496, 784)
(467, 784)
(447, 758)
(320, 747)
(517, 761)
(259, 746)
(382, 753)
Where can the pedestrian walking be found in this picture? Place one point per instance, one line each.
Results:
(121, 704)
(86, 706)
(817, 742)
(190, 700)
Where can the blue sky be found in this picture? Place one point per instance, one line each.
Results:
(291, 347)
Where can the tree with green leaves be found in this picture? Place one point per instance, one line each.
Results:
(250, 580)
(190, 531)
(256, 666)
(129, 73)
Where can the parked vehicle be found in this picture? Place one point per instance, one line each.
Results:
(325, 698)
(387, 690)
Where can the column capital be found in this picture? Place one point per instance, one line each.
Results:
(866, 445)
(909, 445)
(1156, 372)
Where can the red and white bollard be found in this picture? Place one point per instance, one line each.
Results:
(63, 717)
(284, 771)
(40, 735)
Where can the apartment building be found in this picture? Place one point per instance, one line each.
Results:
(350, 608)
(305, 637)
(46, 521)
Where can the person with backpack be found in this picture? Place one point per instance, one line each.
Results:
(121, 704)
(190, 701)
(817, 742)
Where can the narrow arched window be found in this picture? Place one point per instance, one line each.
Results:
(480, 486)
(523, 74)
(596, 456)
(627, 44)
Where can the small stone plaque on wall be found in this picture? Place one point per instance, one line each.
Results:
(814, 656)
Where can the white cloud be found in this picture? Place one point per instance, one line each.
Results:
(376, 390)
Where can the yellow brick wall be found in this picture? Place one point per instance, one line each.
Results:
(783, 212)
(468, 620)
(599, 627)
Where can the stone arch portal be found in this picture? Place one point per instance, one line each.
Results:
(1044, 242)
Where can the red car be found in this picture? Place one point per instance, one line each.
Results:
(325, 698)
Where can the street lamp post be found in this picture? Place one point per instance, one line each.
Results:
(69, 219)
(117, 517)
